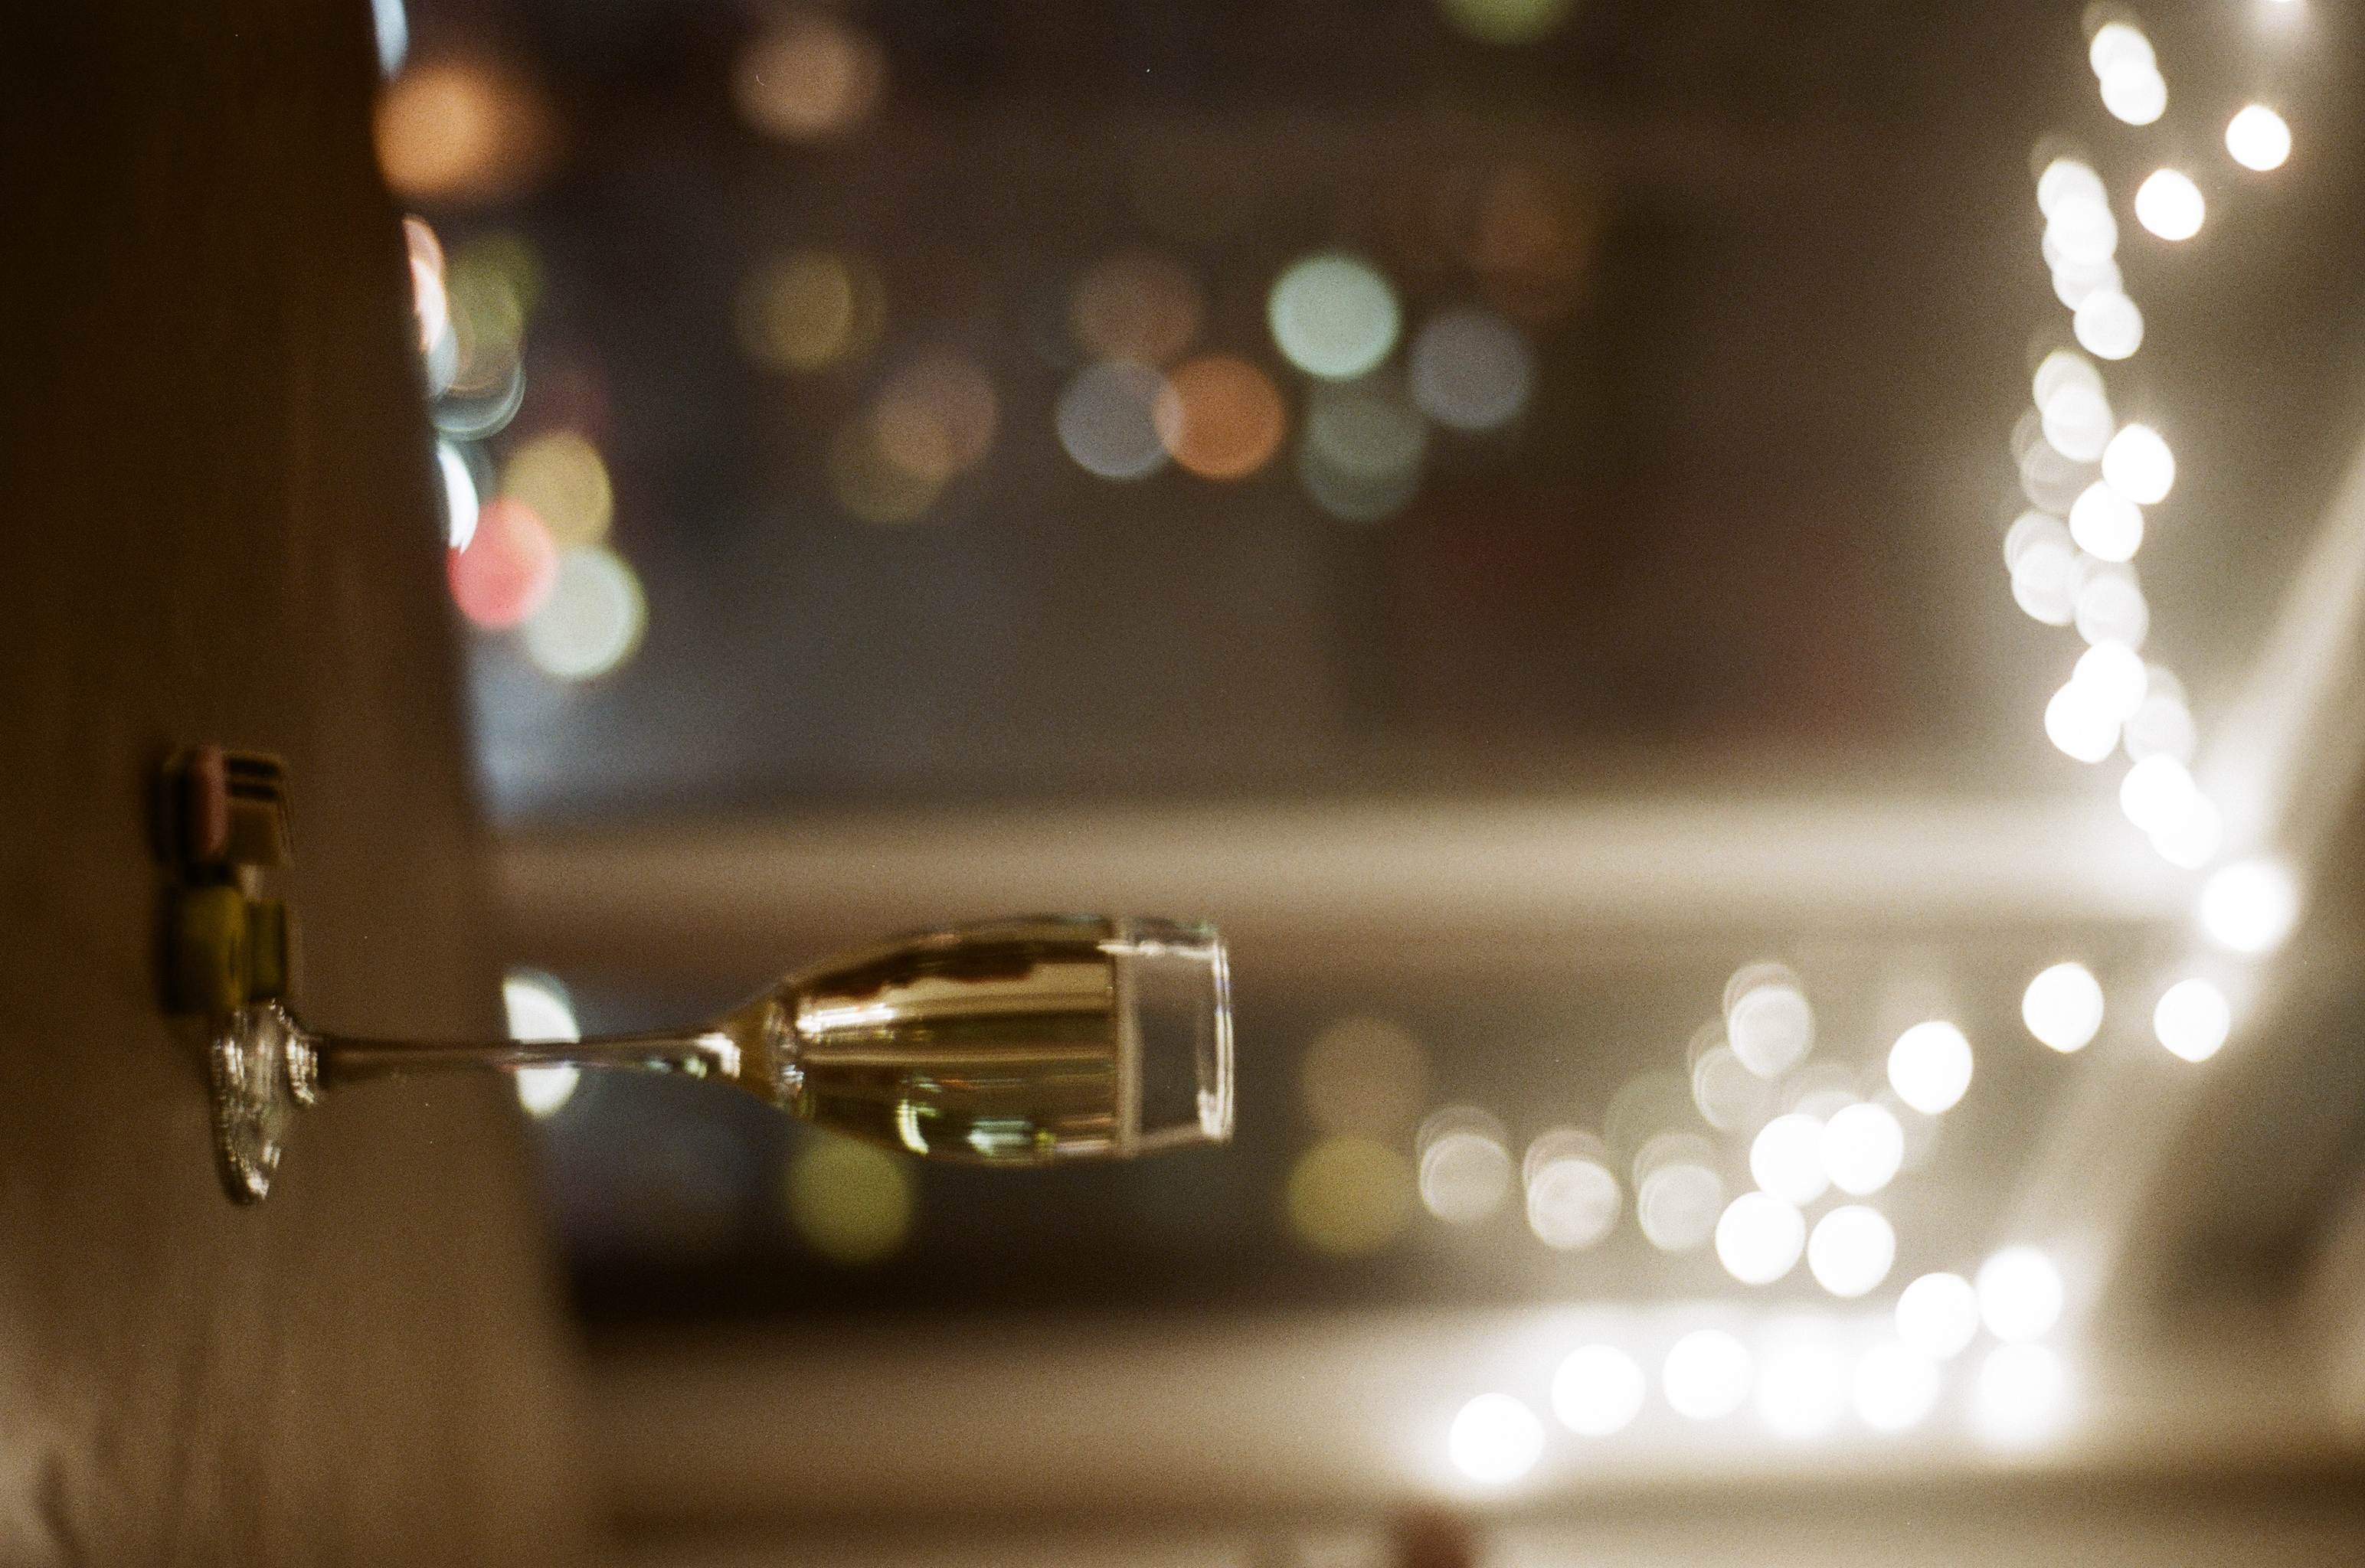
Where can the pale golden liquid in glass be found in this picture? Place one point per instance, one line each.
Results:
(1001, 1049)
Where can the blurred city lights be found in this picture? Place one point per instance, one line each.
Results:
(2043, 564)
(851, 1203)
(507, 568)
(1850, 1250)
(1220, 417)
(1759, 1239)
(2022, 1392)
(1893, 1387)
(1137, 305)
(1707, 1374)
(459, 131)
(2108, 324)
(1929, 1067)
(1360, 455)
(1348, 1196)
(1863, 1147)
(1364, 1076)
(2138, 464)
(1107, 419)
(2114, 678)
(2070, 183)
(2192, 1019)
(561, 476)
(2125, 66)
(1786, 1158)
(1803, 1383)
(1333, 316)
(1597, 1391)
(1678, 1197)
(2169, 204)
(2079, 726)
(2258, 139)
(1767, 1020)
(538, 1009)
(1573, 1195)
(2251, 905)
(1471, 370)
(1506, 22)
(593, 619)
(1495, 1439)
(2063, 1006)
(460, 504)
(1937, 1316)
(810, 310)
(2020, 1295)
(809, 77)
(1465, 1171)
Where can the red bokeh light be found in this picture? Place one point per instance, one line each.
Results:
(507, 568)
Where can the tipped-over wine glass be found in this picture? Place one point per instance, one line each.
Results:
(1015, 1042)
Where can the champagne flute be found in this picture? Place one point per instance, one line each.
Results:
(1015, 1042)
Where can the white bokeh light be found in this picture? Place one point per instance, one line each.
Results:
(1759, 1239)
(1598, 1390)
(1707, 1374)
(1573, 1199)
(1929, 1067)
(2066, 182)
(1802, 1384)
(2258, 139)
(2022, 1394)
(2155, 790)
(2109, 324)
(1495, 1439)
(1786, 1158)
(2137, 464)
(2193, 834)
(2118, 45)
(2114, 678)
(2134, 93)
(1333, 316)
(1107, 419)
(1893, 1387)
(2020, 1295)
(2079, 726)
(2109, 604)
(2063, 1007)
(2106, 524)
(1471, 369)
(1850, 1250)
(1465, 1171)
(1862, 1148)
(1938, 1315)
(1770, 1027)
(2251, 905)
(2192, 1019)
(592, 620)
(2169, 204)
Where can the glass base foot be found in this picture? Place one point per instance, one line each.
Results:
(264, 1070)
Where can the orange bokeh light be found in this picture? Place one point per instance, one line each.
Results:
(813, 78)
(456, 131)
(1220, 417)
(509, 567)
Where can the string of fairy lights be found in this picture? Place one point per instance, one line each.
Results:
(2088, 479)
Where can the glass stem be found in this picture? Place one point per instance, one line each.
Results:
(700, 1053)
